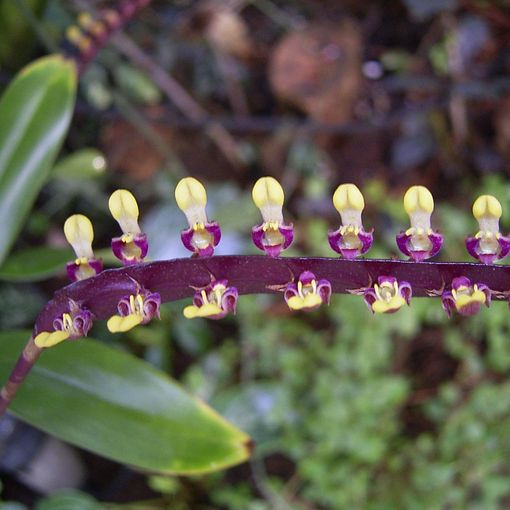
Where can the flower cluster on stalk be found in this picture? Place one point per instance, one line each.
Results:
(305, 291)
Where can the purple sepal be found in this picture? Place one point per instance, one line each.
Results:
(449, 303)
(213, 229)
(472, 245)
(228, 302)
(132, 252)
(151, 305)
(80, 271)
(405, 246)
(335, 239)
(273, 250)
(81, 321)
(370, 297)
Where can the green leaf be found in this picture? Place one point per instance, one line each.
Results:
(35, 112)
(120, 407)
(82, 164)
(35, 264)
(69, 500)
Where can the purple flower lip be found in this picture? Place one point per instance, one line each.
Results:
(214, 301)
(130, 249)
(465, 298)
(272, 238)
(80, 269)
(350, 242)
(202, 239)
(309, 293)
(388, 295)
(488, 255)
(411, 244)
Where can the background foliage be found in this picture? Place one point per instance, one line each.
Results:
(347, 410)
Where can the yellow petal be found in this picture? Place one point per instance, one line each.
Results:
(296, 303)
(47, 339)
(267, 191)
(209, 309)
(348, 196)
(465, 299)
(312, 301)
(487, 206)
(418, 198)
(190, 312)
(118, 324)
(394, 304)
(190, 193)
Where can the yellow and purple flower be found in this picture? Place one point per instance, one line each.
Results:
(132, 246)
(213, 302)
(73, 324)
(419, 242)
(464, 297)
(350, 240)
(203, 235)
(308, 294)
(272, 236)
(135, 309)
(387, 295)
(488, 245)
(80, 234)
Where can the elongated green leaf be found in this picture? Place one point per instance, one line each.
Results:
(35, 112)
(35, 264)
(120, 407)
(83, 164)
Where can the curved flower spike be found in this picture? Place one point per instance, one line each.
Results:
(350, 240)
(273, 235)
(419, 242)
(488, 244)
(74, 324)
(387, 295)
(308, 294)
(139, 308)
(464, 297)
(202, 235)
(80, 234)
(132, 246)
(213, 302)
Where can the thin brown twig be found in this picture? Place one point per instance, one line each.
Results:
(178, 96)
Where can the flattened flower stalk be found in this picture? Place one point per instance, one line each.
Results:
(309, 293)
(203, 235)
(465, 298)
(80, 234)
(272, 236)
(419, 242)
(132, 246)
(213, 302)
(350, 240)
(488, 244)
(387, 295)
(138, 308)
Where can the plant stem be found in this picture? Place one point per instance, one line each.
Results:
(25, 362)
